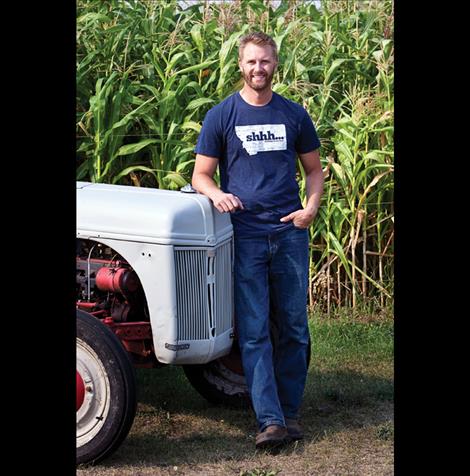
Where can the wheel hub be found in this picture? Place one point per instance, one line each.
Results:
(92, 413)
(80, 391)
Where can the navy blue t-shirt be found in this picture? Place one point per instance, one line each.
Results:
(257, 148)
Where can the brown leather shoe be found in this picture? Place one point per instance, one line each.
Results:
(294, 429)
(272, 436)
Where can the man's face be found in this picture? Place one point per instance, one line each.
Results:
(257, 66)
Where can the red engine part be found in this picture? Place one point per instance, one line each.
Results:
(80, 391)
(136, 337)
(121, 280)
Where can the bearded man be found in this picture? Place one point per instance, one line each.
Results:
(255, 137)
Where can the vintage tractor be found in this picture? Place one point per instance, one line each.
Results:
(154, 287)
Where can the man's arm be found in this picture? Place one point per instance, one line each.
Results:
(314, 185)
(203, 182)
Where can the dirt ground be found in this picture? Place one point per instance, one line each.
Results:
(343, 437)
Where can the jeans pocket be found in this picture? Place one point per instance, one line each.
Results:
(298, 227)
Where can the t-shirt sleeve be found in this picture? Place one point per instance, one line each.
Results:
(308, 138)
(210, 140)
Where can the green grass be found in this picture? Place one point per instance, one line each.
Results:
(347, 415)
(351, 361)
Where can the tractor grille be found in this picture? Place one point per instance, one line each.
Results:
(204, 291)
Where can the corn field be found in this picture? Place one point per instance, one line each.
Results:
(148, 71)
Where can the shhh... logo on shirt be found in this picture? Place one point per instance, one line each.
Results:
(262, 137)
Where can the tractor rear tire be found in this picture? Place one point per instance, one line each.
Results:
(221, 381)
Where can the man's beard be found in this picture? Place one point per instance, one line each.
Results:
(266, 84)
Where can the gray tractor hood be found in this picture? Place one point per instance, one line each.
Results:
(148, 215)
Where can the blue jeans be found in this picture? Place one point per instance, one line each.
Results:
(271, 276)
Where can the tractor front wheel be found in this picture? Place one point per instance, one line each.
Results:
(106, 390)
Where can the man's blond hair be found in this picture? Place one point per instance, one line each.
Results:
(258, 38)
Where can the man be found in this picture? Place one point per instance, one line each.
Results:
(255, 136)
